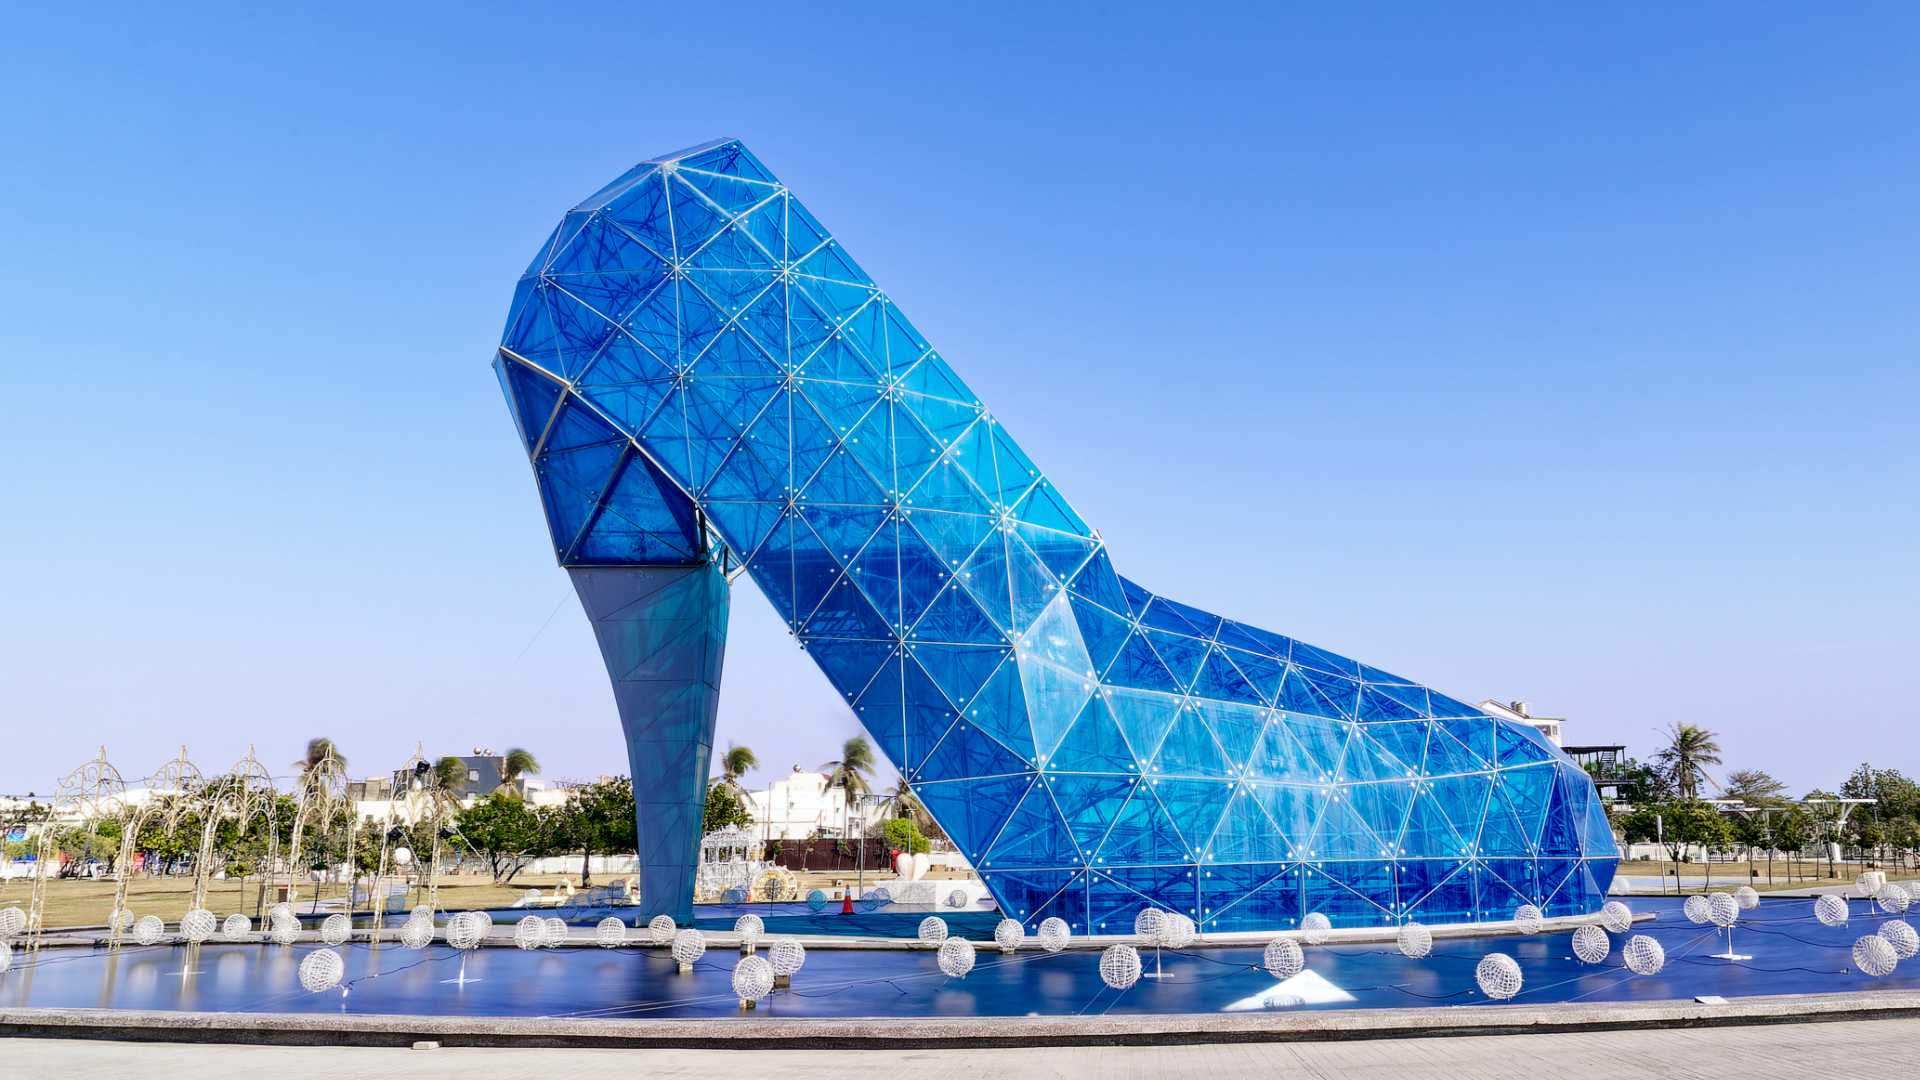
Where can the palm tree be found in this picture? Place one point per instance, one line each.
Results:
(850, 772)
(516, 764)
(905, 804)
(1690, 748)
(322, 754)
(449, 773)
(737, 762)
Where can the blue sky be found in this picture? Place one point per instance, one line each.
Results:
(1561, 356)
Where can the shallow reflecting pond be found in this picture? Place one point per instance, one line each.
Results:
(1792, 953)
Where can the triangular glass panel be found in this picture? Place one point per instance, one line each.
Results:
(967, 752)
(1322, 740)
(1093, 745)
(1034, 837)
(1294, 810)
(1086, 804)
(846, 613)
(972, 811)
(1246, 834)
(959, 670)
(1137, 665)
(1143, 833)
(1195, 806)
(1000, 709)
(1144, 718)
(1218, 678)
(953, 617)
(1189, 749)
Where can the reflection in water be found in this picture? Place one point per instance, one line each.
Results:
(1307, 988)
(108, 978)
(1794, 954)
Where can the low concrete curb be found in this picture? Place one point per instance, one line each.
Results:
(891, 1033)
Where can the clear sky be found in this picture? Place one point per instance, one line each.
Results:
(1560, 356)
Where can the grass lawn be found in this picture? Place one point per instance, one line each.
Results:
(86, 902)
(1696, 877)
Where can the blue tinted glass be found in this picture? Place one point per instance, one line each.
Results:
(700, 374)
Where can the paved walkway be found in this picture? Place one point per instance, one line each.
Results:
(1708, 1053)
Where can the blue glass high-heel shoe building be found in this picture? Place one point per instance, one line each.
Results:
(708, 384)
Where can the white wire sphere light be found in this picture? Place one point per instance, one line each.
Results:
(529, 932)
(750, 928)
(752, 978)
(149, 929)
(1747, 897)
(1177, 931)
(610, 933)
(1414, 941)
(689, 945)
(236, 927)
(284, 931)
(1875, 956)
(1149, 924)
(1616, 916)
(1283, 958)
(277, 912)
(1899, 934)
(468, 929)
(421, 911)
(1008, 934)
(1054, 933)
(957, 899)
(933, 930)
(956, 958)
(556, 933)
(1893, 899)
(1315, 927)
(1643, 955)
(1120, 966)
(1498, 975)
(786, 955)
(1831, 910)
(12, 921)
(1722, 910)
(1698, 910)
(660, 929)
(1591, 944)
(6, 957)
(198, 925)
(336, 929)
(321, 970)
(119, 919)
(416, 933)
(1527, 919)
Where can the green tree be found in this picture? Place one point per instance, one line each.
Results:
(737, 762)
(1755, 787)
(598, 817)
(1792, 831)
(323, 755)
(1678, 825)
(724, 808)
(850, 773)
(902, 834)
(518, 763)
(505, 832)
(449, 773)
(1689, 750)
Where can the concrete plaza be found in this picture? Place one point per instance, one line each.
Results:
(1765, 1050)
